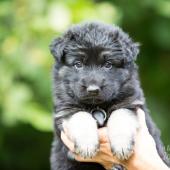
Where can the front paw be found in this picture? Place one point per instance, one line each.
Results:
(122, 126)
(86, 147)
(82, 130)
(122, 147)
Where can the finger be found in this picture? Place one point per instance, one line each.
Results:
(142, 120)
(67, 142)
(81, 159)
(74, 156)
(102, 132)
(64, 125)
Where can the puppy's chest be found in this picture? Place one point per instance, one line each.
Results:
(102, 114)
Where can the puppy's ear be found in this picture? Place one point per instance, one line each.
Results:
(127, 46)
(57, 48)
(134, 50)
(130, 49)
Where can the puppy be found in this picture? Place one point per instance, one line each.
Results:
(95, 72)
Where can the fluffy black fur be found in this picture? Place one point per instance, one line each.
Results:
(81, 56)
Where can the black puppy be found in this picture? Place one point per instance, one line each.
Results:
(95, 70)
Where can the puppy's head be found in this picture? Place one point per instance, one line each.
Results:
(95, 63)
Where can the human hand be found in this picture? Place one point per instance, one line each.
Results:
(144, 143)
(145, 156)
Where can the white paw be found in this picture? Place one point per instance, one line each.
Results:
(122, 147)
(87, 148)
(122, 126)
(82, 129)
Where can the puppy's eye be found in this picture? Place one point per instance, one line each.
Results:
(108, 65)
(78, 65)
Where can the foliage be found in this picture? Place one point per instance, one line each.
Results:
(27, 28)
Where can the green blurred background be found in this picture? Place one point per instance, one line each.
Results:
(26, 29)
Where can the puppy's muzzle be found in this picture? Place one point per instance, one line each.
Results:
(93, 90)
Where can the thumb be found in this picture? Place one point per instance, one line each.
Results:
(103, 138)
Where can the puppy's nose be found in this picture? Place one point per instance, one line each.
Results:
(93, 89)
